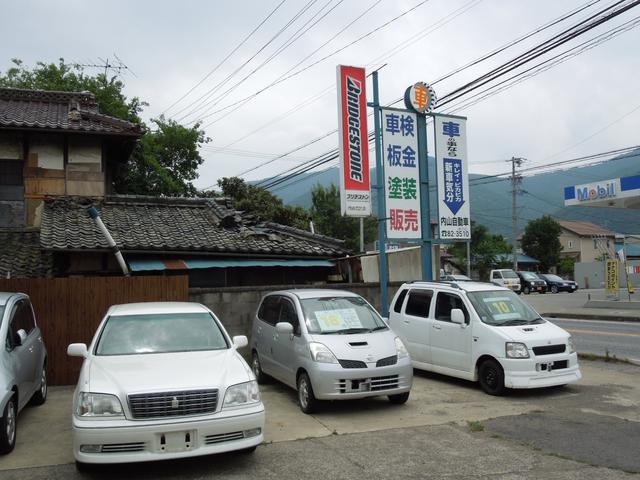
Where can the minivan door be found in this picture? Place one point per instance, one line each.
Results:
(265, 331)
(22, 357)
(284, 348)
(450, 343)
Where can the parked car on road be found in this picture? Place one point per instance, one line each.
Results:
(160, 381)
(328, 345)
(556, 284)
(506, 278)
(23, 364)
(482, 332)
(531, 282)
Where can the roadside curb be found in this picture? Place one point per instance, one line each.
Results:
(592, 316)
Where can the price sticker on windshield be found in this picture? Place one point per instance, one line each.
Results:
(502, 308)
(338, 319)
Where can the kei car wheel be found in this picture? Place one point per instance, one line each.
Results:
(399, 399)
(526, 290)
(41, 395)
(8, 426)
(491, 377)
(257, 369)
(306, 397)
(554, 289)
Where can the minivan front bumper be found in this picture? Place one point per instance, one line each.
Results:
(541, 371)
(331, 381)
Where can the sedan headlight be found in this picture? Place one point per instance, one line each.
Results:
(98, 405)
(242, 394)
(400, 348)
(570, 345)
(321, 353)
(516, 350)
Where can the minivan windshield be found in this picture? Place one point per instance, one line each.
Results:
(340, 315)
(160, 333)
(503, 308)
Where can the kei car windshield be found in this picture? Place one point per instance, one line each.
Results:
(340, 315)
(530, 276)
(160, 333)
(503, 308)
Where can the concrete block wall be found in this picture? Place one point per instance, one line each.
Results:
(236, 306)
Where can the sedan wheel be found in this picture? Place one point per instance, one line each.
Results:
(308, 401)
(8, 427)
(554, 289)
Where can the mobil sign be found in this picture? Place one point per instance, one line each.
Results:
(621, 192)
(355, 188)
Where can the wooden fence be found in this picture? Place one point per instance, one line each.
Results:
(68, 310)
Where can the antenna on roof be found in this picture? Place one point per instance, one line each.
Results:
(117, 66)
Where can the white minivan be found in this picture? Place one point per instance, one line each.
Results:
(482, 332)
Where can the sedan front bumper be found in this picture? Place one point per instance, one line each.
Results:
(140, 441)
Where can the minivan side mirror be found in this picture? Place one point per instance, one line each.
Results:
(457, 316)
(284, 327)
(240, 341)
(21, 336)
(77, 350)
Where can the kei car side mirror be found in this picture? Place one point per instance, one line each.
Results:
(457, 316)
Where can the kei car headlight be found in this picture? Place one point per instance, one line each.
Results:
(97, 405)
(242, 394)
(400, 348)
(516, 350)
(572, 348)
(321, 353)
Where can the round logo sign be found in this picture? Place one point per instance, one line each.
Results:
(421, 97)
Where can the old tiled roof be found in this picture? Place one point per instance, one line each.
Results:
(149, 224)
(21, 255)
(60, 111)
(585, 229)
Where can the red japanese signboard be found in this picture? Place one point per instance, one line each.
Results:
(355, 188)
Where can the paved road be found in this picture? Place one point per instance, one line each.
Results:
(621, 339)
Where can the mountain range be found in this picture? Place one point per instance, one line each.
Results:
(541, 194)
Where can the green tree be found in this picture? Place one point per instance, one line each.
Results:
(486, 250)
(165, 161)
(328, 220)
(541, 241)
(262, 203)
(566, 266)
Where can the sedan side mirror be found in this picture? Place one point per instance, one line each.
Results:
(21, 336)
(240, 341)
(284, 327)
(457, 316)
(77, 350)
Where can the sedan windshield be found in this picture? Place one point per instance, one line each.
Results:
(160, 333)
(554, 278)
(340, 315)
(503, 308)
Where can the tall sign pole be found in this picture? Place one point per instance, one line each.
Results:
(426, 250)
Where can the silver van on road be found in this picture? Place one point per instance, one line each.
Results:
(328, 345)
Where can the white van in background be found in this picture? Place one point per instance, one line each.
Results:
(506, 278)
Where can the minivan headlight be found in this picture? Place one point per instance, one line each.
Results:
(400, 348)
(242, 394)
(321, 353)
(570, 345)
(98, 405)
(516, 350)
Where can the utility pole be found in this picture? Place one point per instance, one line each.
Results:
(515, 181)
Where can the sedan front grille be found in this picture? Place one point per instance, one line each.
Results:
(549, 349)
(223, 437)
(173, 404)
(352, 364)
(385, 362)
(122, 447)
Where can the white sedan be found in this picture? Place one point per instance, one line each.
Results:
(162, 381)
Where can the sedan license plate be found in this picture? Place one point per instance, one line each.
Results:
(176, 441)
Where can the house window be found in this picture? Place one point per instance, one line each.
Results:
(570, 244)
(11, 173)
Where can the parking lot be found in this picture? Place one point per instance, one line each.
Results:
(448, 428)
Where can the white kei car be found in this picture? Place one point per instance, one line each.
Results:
(162, 381)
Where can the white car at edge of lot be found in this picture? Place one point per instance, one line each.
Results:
(482, 332)
(161, 381)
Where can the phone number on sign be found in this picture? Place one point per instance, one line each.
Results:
(461, 233)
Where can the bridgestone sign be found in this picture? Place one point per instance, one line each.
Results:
(355, 187)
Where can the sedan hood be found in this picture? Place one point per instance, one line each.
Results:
(125, 374)
(534, 335)
(366, 347)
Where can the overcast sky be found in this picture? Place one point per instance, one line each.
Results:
(171, 46)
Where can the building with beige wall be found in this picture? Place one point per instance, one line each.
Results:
(585, 241)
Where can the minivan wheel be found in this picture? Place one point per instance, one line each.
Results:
(257, 369)
(41, 395)
(554, 289)
(306, 398)
(526, 290)
(8, 426)
(399, 398)
(491, 377)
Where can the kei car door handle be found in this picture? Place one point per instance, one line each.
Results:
(406, 321)
(437, 327)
